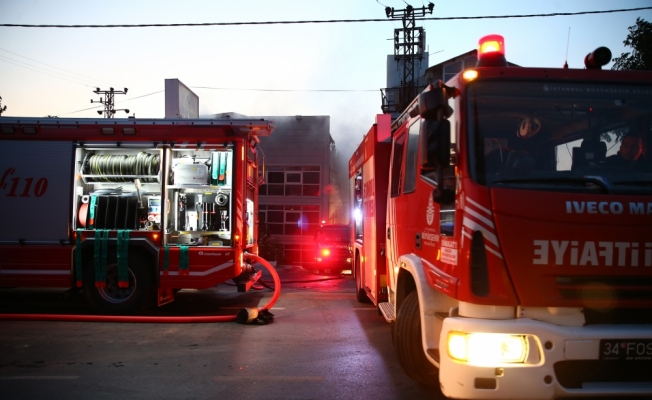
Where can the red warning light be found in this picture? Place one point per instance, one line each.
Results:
(325, 252)
(491, 44)
(491, 51)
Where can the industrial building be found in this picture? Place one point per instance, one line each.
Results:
(301, 189)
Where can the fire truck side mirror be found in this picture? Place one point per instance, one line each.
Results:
(430, 103)
(433, 103)
(434, 143)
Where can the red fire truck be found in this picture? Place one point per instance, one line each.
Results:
(332, 249)
(129, 209)
(503, 225)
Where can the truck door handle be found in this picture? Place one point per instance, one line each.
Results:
(389, 233)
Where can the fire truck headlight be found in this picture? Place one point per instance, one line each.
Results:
(487, 348)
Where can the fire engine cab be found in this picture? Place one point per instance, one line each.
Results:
(130, 210)
(332, 248)
(503, 225)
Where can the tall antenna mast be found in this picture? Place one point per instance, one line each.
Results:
(567, 43)
(409, 46)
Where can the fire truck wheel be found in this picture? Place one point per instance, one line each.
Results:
(407, 340)
(113, 299)
(360, 293)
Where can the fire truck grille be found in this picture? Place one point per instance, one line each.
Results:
(605, 288)
(574, 374)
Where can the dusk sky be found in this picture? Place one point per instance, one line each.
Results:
(53, 71)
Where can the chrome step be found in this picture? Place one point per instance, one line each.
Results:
(387, 309)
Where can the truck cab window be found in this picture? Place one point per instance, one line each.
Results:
(397, 166)
(411, 157)
(547, 136)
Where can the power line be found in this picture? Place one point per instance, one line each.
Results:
(138, 97)
(85, 109)
(2, 58)
(48, 65)
(325, 21)
(96, 107)
(54, 74)
(285, 90)
(236, 89)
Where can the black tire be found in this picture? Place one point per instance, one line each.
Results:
(114, 300)
(407, 343)
(360, 293)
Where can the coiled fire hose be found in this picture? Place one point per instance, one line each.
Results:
(244, 316)
(113, 167)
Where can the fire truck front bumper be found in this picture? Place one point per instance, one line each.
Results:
(529, 359)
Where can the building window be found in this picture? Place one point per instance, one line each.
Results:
(289, 220)
(292, 181)
(293, 177)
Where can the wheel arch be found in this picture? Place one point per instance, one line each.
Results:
(412, 277)
(404, 285)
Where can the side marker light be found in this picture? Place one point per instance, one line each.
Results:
(469, 75)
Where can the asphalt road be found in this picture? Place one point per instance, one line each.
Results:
(323, 344)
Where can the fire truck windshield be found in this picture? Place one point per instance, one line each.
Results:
(561, 136)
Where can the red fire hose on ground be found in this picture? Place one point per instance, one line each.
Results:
(244, 316)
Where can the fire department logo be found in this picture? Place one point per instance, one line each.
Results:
(430, 211)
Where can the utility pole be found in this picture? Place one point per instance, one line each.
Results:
(2, 109)
(409, 46)
(108, 101)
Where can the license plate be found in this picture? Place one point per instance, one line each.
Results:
(626, 349)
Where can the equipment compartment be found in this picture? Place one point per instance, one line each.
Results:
(199, 192)
(115, 188)
(185, 192)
